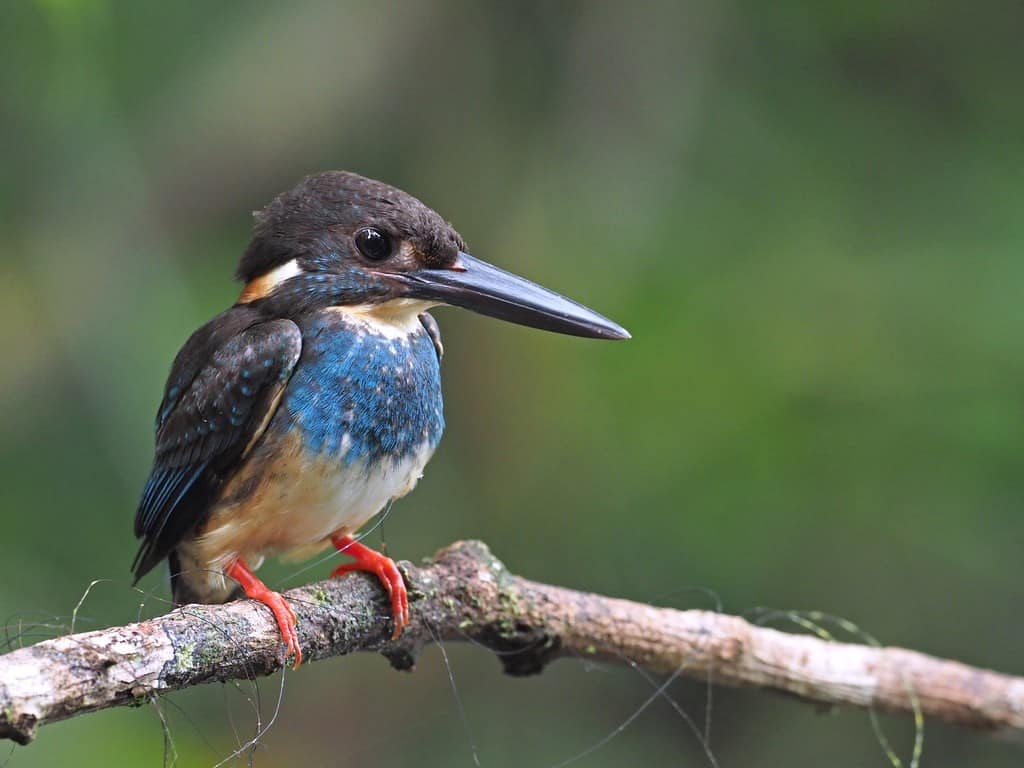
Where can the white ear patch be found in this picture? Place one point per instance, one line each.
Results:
(264, 285)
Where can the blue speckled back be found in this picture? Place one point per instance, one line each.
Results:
(383, 393)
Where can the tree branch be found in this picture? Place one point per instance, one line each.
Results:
(467, 594)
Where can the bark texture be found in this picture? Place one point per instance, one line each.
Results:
(465, 593)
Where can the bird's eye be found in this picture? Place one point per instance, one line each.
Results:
(373, 244)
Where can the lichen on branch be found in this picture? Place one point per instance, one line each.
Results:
(466, 593)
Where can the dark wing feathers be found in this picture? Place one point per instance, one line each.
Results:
(195, 353)
(434, 332)
(222, 390)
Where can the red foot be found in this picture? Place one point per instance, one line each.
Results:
(257, 590)
(386, 570)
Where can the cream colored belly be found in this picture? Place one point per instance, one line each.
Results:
(296, 505)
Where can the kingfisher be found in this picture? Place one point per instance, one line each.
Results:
(292, 418)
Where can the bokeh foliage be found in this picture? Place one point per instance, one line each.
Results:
(807, 214)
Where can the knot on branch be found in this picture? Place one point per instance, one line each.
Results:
(467, 594)
(20, 727)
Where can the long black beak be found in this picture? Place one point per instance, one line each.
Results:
(484, 288)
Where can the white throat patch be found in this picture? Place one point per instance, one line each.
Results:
(394, 319)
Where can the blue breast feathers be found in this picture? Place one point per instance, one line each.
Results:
(362, 395)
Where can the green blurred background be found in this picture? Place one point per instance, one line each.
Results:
(808, 215)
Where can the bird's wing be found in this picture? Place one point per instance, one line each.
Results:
(433, 331)
(213, 411)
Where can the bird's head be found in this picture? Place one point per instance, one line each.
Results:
(339, 239)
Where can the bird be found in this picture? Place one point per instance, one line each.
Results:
(296, 415)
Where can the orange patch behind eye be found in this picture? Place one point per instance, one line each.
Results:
(256, 289)
(262, 286)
